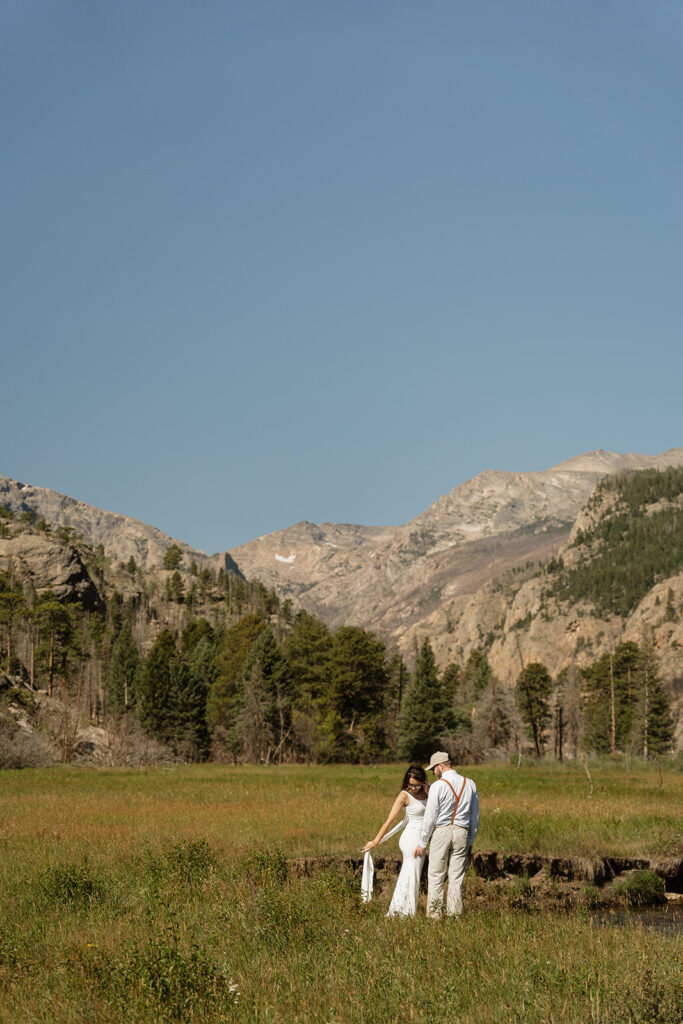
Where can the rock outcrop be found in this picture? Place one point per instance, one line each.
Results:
(121, 536)
(49, 564)
(437, 575)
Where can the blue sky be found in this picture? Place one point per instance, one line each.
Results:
(266, 261)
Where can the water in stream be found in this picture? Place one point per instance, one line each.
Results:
(666, 918)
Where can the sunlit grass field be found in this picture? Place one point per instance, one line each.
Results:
(162, 895)
(55, 812)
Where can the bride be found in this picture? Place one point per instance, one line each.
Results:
(412, 799)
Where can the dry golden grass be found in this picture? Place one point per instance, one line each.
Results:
(332, 809)
(143, 896)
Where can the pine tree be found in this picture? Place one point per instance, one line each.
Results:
(252, 727)
(451, 682)
(354, 700)
(612, 686)
(12, 609)
(157, 689)
(307, 652)
(276, 685)
(397, 681)
(114, 612)
(653, 729)
(569, 709)
(173, 557)
(195, 631)
(660, 726)
(533, 691)
(421, 720)
(227, 688)
(189, 688)
(123, 669)
(56, 625)
(476, 676)
(176, 588)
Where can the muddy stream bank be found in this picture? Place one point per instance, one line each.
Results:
(531, 881)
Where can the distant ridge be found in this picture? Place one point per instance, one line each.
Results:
(121, 536)
(403, 581)
(394, 579)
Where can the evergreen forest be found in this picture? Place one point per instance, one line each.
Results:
(636, 541)
(191, 663)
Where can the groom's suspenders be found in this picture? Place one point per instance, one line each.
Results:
(457, 796)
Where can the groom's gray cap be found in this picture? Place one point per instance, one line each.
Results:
(440, 757)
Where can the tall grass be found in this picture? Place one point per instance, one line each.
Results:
(156, 896)
(332, 809)
(182, 936)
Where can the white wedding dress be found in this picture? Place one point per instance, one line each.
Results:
(404, 900)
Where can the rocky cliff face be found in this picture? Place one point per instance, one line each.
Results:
(526, 626)
(524, 617)
(49, 564)
(433, 576)
(120, 536)
(456, 573)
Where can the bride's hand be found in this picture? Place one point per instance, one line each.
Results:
(368, 846)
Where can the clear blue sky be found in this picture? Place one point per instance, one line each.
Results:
(271, 261)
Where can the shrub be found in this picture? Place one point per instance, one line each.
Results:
(641, 889)
(647, 998)
(161, 977)
(265, 865)
(68, 883)
(189, 862)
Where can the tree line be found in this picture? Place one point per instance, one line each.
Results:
(234, 674)
(323, 695)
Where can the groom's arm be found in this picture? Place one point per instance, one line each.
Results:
(429, 820)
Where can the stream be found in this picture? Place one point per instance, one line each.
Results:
(667, 918)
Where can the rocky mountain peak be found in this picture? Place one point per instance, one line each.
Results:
(396, 579)
(405, 581)
(122, 537)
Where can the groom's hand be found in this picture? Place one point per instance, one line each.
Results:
(419, 851)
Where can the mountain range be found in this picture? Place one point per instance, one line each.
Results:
(461, 572)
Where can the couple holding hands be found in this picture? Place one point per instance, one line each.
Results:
(447, 813)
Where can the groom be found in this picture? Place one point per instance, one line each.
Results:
(451, 819)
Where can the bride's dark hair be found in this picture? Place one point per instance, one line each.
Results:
(415, 771)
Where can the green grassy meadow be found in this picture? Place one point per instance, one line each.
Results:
(163, 895)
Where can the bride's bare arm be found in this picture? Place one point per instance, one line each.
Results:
(400, 801)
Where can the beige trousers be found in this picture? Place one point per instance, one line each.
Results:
(447, 856)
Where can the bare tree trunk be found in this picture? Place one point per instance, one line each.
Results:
(532, 717)
(51, 665)
(560, 725)
(494, 705)
(613, 736)
(585, 768)
(400, 682)
(647, 709)
(101, 694)
(84, 655)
